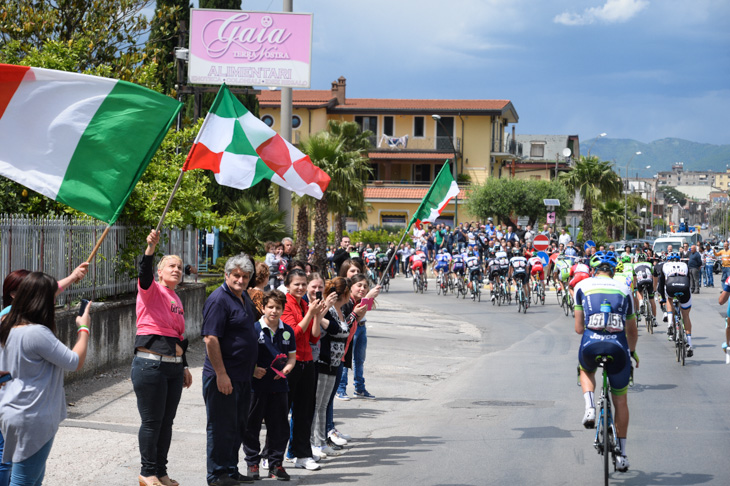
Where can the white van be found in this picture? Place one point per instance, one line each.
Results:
(676, 240)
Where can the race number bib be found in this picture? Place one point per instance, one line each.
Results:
(614, 322)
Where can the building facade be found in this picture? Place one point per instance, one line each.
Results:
(679, 177)
(412, 140)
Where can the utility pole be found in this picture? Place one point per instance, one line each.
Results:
(286, 118)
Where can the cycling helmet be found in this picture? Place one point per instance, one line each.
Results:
(471, 252)
(604, 259)
(673, 257)
(441, 250)
(640, 257)
(626, 258)
(620, 267)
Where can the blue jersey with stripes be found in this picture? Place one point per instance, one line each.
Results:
(606, 304)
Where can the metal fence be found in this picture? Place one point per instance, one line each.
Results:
(57, 245)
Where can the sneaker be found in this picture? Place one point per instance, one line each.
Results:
(342, 435)
(690, 351)
(328, 451)
(622, 464)
(306, 463)
(288, 459)
(241, 479)
(343, 397)
(332, 436)
(253, 471)
(224, 481)
(589, 419)
(334, 446)
(364, 394)
(265, 463)
(279, 473)
(317, 452)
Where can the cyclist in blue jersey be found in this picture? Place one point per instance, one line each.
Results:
(604, 316)
(443, 258)
(458, 264)
(722, 300)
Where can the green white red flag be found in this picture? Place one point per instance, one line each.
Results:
(443, 189)
(241, 150)
(81, 140)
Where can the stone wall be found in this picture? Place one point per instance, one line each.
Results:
(113, 329)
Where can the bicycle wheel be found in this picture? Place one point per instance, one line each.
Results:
(438, 286)
(415, 284)
(564, 305)
(542, 295)
(479, 290)
(607, 451)
(683, 346)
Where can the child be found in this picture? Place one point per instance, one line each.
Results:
(269, 389)
(273, 261)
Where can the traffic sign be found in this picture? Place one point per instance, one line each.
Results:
(541, 242)
(589, 244)
(544, 257)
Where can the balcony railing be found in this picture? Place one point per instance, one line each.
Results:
(507, 147)
(406, 142)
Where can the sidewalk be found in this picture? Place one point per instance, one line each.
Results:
(97, 444)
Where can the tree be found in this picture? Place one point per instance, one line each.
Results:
(165, 35)
(256, 222)
(595, 181)
(506, 199)
(611, 214)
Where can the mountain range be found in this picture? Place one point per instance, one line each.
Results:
(659, 154)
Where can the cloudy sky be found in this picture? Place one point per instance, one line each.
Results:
(639, 69)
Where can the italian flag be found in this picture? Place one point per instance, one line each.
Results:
(81, 140)
(241, 150)
(443, 189)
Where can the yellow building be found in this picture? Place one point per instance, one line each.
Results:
(722, 180)
(413, 139)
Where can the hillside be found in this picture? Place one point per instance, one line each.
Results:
(660, 154)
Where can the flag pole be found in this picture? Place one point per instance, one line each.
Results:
(98, 244)
(395, 252)
(169, 201)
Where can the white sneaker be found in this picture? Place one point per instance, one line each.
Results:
(306, 463)
(589, 419)
(341, 435)
(325, 449)
(336, 439)
(265, 463)
(317, 452)
(622, 464)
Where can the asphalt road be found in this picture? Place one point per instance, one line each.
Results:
(467, 394)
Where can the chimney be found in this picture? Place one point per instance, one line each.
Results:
(338, 90)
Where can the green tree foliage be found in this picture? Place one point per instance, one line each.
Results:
(595, 181)
(674, 193)
(256, 222)
(506, 199)
(165, 36)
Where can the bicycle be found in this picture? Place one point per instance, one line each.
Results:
(522, 301)
(418, 282)
(442, 285)
(567, 304)
(606, 439)
(451, 282)
(476, 287)
(679, 334)
(386, 282)
(538, 293)
(645, 309)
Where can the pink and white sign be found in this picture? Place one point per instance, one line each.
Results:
(250, 48)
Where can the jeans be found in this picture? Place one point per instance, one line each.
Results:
(227, 416)
(5, 468)
(725, 275)
(31, 471)
(331, 404)
(359, 347)
(158, 387)
(709, 276)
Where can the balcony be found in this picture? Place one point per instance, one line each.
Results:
(508, 148)
(406, 142)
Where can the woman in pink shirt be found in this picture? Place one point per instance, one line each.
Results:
(159, 368)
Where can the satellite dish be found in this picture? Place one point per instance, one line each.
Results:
(566, 152)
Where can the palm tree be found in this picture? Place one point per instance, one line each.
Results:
(304, 205)
(258, 222)
(611, 213)
(595, 181)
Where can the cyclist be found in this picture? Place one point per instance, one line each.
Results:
(503, 262)
(674, 280)
(722, 300)
(371, 261)
(625, 269)
(457, 265)
(536, 269)
(518, 272)
(562, 272)
(472, 263)
(644, 281)
(604, 316)
(443, 259)
(493, 272)
(659, 260)
(419, 265)
(578, 272)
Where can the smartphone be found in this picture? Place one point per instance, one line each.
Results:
(367, 302)
(82, 308)
(5, 378)
(318, 295)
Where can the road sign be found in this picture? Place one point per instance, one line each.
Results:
(551, 217)
(544, 257)
(589, 244)
(541, 242)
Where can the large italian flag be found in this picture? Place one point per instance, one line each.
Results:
(443, 189)
(81, 140)
(241, 150)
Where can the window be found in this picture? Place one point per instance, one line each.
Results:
(367, 123)
(296, 121)
(418, 126)
(393, 220)
(422, 173)
(268, 119)
(388, 126)
(537, 149)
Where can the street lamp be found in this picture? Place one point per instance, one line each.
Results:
(627, 191)
(594, 141)
(437, 118)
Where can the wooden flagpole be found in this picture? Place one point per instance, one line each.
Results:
(395, 252)
(169, 201)
(98, 244)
